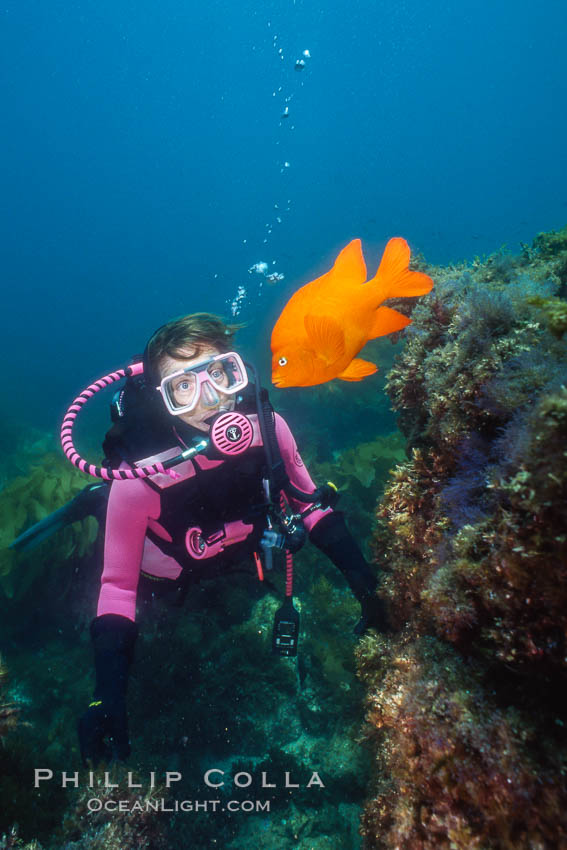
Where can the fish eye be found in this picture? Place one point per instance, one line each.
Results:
(282, 361)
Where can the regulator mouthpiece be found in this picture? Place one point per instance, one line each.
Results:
(231, 433)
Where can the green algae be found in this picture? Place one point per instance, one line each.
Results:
(554, 311)
(27, 499)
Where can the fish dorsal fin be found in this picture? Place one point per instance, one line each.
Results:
(326, 336)
(386, 321)
(358, 369)
(349, 266)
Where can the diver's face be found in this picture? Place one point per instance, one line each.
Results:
(209, 403)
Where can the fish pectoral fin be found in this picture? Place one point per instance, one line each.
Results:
(326, 337)
(386, 321)
(358, 369)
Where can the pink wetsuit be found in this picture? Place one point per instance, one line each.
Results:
(134, 508)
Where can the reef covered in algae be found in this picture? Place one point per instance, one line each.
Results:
(463, 706)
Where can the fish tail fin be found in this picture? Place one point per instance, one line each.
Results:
(394, 278)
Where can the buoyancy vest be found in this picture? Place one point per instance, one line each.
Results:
(213, 498)
(215, 501)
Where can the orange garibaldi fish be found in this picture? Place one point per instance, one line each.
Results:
(324, 324)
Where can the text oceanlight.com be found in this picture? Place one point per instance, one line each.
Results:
(96, 804)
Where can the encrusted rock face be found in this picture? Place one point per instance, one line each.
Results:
(9, 711)
(472, 537)
(457, 769)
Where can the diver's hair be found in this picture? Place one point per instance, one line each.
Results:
(187, 336)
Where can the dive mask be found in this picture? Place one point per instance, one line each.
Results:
(223, 374)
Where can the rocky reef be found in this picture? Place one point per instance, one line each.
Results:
(463, 711)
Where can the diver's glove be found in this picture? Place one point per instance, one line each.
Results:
(103, 728)
(372, 615)
(333, 538)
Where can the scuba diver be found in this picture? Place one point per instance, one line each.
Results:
(204, 475)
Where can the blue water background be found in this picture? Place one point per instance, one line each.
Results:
(142, 156)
